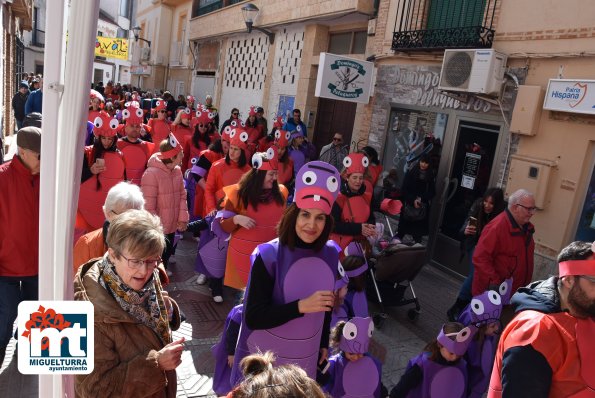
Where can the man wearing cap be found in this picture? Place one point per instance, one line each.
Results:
(19, 230)
(548, 349)
(35, 100)
(261, 120)
(18, 104)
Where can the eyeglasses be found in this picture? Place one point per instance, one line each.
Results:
(202, 125)
(235, 113)
(162, 111)
(529, 209)
(335, 139)
(135, 263)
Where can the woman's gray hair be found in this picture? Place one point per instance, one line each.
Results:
(137, 232)
(123, 196)
(517, 195)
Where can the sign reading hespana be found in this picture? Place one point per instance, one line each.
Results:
(570, 95)
(343, 78)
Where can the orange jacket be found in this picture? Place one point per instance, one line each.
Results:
(88, 246)
(221, 174)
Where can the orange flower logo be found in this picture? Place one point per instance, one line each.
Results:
(43, 319)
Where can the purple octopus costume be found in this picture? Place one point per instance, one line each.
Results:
(297, 274)
(221, 382)
(361, 378)
(483, 310)
(212, 248)
(440, 381)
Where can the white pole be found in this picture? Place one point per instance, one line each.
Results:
(65, 105)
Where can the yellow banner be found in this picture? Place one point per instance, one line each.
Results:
(109, 47)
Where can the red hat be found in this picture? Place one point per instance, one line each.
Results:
(391, 206)
(160, 104)
(190, 98)
(578, 267)
(278, 123)
(133, 113)
(239, 138)
(265, 160)
(355, 163)
(104, 125)
(252, 111)
(203, 116)
(176, 148)
(186, 113)
(225, 134)
(282, 138)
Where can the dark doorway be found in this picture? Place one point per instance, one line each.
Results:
(469, 177)
(333, 117)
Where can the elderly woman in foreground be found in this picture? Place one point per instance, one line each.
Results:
(134, 318)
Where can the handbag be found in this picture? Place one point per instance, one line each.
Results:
(411, 213)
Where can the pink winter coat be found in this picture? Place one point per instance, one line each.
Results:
(165, 194)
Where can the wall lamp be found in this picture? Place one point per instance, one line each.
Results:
(135, 31)
(250, 12)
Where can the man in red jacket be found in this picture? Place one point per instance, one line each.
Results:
(505, 247)
(19, 230)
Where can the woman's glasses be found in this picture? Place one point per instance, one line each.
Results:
(135, 263)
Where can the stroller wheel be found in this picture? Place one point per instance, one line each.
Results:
(412, 314)
(379, 320)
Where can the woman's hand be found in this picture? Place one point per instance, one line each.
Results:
(319, 301)
(470, 230)
(170, 356)
(182, 226)
(368, 230)
(244, 221)
(96, 169)
(417, 203)
(230, 360)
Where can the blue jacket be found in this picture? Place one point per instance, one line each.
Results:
(34, 101)
(291, 126)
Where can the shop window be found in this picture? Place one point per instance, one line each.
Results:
(411, 135)
(348, 43)
(586, 224)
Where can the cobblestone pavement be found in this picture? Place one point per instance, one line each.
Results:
(397, 340)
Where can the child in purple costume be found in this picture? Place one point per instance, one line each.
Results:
(224, 351)
(353, 372)
(440, 371)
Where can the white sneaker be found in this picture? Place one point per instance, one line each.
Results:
(218, 299)
(168, 272)
(172, 259)
(202, 279)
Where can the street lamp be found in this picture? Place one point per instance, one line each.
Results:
(250, 12)
(135, 31)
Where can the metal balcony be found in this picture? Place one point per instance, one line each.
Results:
(425, 25)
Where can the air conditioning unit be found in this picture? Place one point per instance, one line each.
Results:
(473, 71)
(145, 54)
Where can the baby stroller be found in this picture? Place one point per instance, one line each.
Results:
(391, 274)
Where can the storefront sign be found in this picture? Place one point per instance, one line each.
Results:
(343, 78)
(470, 170)
(140, 69)
(567, 95)
(110, 47)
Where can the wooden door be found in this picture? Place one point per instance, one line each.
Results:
(333, 117)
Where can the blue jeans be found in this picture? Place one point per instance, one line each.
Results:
(19, 123)
(465, 292)
(13, 290)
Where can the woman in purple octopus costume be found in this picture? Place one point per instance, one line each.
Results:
(290, 288)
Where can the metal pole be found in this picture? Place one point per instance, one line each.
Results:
(66, 96)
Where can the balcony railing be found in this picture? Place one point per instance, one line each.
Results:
(38, 38)
(202, 7)
(440, 24)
